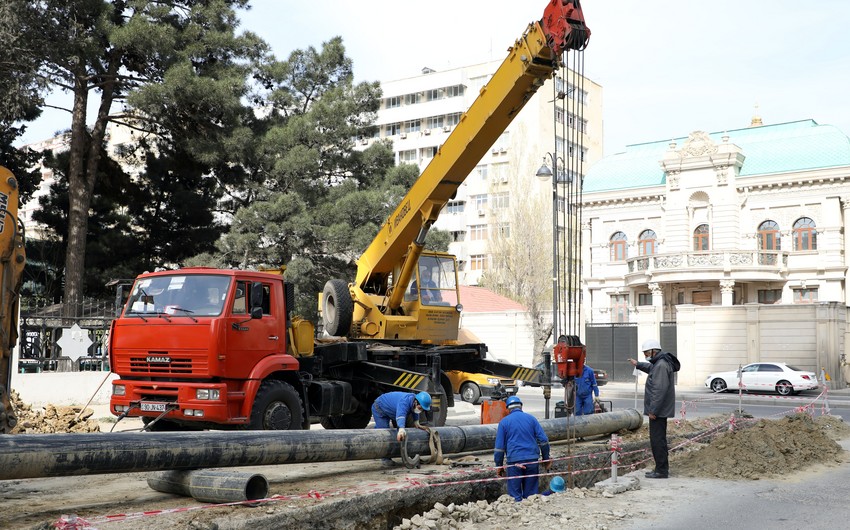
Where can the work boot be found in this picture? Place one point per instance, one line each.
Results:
(387, 462)
(656, 474)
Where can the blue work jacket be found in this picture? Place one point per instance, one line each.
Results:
(397, 405)
(520, 437)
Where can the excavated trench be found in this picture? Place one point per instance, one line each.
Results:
(414, 492)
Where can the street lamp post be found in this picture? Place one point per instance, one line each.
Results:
(545, 173)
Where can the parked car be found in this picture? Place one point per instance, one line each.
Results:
(782, 378)
(472, 386)
(601, 376)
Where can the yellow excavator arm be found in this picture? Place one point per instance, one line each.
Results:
(12, 261)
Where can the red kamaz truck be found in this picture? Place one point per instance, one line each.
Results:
(200, 347)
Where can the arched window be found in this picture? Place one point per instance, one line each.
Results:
(805, 234)
(769, 236)
(618, 246)
(701, 237)
(646, 243)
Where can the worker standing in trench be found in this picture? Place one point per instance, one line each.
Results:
(393, 408)
(520, 437)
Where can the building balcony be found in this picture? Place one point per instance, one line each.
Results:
(743, 265)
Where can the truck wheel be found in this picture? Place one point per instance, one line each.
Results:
(337, 308)
(277, 407)
(437, 418)
(470, 393)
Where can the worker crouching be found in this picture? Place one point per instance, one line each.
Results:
(521, 439)
(393, 408)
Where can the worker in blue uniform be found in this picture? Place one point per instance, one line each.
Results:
(520, 439)
(393, 408)
(587, 391)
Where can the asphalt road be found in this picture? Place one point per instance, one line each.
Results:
(694, 403)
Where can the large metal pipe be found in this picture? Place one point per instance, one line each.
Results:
(210, 485)
(53, 455)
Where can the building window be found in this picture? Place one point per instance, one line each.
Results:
(805, 234)
(504, 230)
(413, 99)
(500, 173)
(458, 235)
(429, 152)
(770, 296)
(477, 262)
(453, 119)
(481, 171)
(480, 202)
(646, 243)
(408, 155)
(701, 238)
(805, 296)
(392, 102)
(769, 236)
(477, 232)
(501, 201)
(619, 308)
(393, 129)
(455, 207)
(435, 122)
(411, 126)
(434, 93)
(618, 247)
(644, 298)
(454, 91)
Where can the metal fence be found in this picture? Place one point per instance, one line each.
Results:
(43, 326)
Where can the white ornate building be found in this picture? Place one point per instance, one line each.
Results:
(708, 232)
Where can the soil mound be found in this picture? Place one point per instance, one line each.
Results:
(765, 448)
(51, 419)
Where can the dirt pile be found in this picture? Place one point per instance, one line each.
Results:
(757, 449)
(51, 419)
(765, 448)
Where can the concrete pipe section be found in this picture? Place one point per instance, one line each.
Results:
(53, 455)
(210, 485)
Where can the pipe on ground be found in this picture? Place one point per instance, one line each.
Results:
(209, 485)
(54, 455)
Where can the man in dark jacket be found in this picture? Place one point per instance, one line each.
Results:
(521, 441)
(659, 400)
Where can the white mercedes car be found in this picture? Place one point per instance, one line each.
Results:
(765, 377)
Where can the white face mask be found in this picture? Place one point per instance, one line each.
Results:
(647, 355)
(417, 408)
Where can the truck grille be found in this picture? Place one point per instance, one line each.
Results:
(178, 365)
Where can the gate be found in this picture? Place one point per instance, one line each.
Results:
(667, 337)
(608, 347)
(43, 327)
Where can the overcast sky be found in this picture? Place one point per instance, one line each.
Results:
(667, 67)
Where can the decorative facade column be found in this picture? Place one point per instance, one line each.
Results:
(727, 291)
(657, 295)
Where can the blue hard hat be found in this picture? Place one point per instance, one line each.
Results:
(513, 401)
(424, 399)
(556, 484)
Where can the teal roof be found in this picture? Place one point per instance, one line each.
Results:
(781, 148)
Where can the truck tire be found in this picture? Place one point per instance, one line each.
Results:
(337, 308)
(277, 407)
(437, 418)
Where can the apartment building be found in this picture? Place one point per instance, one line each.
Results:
(418, 113)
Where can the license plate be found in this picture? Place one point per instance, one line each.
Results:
(153, 407)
